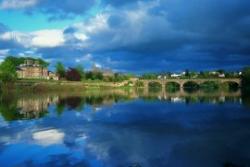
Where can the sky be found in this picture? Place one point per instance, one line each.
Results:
(134, 36)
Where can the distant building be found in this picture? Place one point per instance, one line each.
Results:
(53, 76)
(213, 72)
(221, 76)
(107, 73)
(175, 75)
(33, 70)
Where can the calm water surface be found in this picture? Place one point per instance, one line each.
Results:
(125, 129)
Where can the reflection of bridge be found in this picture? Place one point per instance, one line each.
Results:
(182, 93)
(182, 82)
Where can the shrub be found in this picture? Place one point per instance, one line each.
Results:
(73, 75)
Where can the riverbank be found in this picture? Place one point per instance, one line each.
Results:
(34, 85)
(59, 86)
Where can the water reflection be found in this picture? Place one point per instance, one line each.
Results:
(35, 106)
(14, 107)
(125, 129)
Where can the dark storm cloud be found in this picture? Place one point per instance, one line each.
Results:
(198, 22)
(200, 34)
(174, 35)
(155, 35)
(167, 35)
(59, 9)
(64, 54)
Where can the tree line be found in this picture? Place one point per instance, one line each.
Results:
(8, 71)
(79, 74)
(193, 74)
(9, 65)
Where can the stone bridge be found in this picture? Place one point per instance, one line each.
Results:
(181, 82)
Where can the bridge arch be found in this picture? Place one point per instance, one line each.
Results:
(197, 82)
(230, 85)
(139, 84)
(191, 86)
(154, 86)
(231, 82)
(172, 86)
(209, 85)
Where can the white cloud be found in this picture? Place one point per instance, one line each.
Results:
(47, 38)
(17, 4)
(96, 24)
(80, 36)
(93, 34)
(41, 38)
(98, 65)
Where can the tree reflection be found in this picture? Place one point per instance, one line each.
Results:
(14, 108)
(246, 98)
(25, 106)
(72, 103)
(191, 87)
(8, 108)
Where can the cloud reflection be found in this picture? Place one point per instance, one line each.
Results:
(48, 137)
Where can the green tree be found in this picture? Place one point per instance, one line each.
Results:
(16, 61)
(149, 76)
(221, 71)
(43, 63)
(99, 75)
(187, 73)
(7, 71)
(246, 78)
(89, 75)
(80, 70)
(94, 75)
(60, 70)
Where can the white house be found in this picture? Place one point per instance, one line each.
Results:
(174, 75)
(221, 75)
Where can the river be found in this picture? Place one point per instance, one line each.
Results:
(117, 128)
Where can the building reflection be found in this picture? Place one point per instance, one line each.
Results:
(216, 97)
(34, 106)
(31, 108)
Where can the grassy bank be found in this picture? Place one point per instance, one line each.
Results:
(31, 85)
(57, 86)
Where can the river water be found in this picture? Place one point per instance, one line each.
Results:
(125, 129)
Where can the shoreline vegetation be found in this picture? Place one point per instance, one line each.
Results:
(37, 86)
(77, 79)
